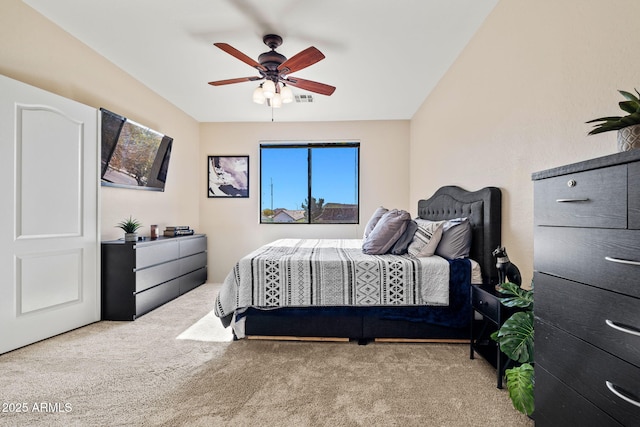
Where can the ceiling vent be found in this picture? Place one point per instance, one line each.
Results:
(304, 98)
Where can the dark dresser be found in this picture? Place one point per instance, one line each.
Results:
(140, 276)
(587, 292)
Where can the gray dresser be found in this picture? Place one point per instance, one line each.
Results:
(587, 292)
(138, 277)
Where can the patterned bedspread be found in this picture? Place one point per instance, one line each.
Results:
(331, 272)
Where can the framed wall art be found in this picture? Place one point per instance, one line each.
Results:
(228, 176)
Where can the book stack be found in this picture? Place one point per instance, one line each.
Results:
(178, 230)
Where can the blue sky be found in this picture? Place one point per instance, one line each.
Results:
(334, 179)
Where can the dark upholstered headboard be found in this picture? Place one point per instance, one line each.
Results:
(484, 210)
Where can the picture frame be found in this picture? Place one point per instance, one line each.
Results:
(228, 176)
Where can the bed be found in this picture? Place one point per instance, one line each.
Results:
(332, 309)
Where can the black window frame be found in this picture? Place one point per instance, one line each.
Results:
(310, 146)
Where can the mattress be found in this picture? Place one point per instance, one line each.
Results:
(332, 272)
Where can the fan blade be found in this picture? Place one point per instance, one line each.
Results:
(309, 85)
(238, 80)
(241, 56)
(301, 60)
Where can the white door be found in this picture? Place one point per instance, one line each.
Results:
(49, 245)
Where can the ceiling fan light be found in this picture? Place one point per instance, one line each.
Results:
(258, 95)
(268, 89)
(287, 94)
(276, 102)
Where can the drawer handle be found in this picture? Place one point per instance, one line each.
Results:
(571, 200)
(626, 329)
(622, 261)
(622, 394)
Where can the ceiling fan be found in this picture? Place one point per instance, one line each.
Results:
(274, 68)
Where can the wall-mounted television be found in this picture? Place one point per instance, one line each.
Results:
(133, 156)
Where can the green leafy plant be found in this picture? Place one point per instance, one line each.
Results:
(515, 338)
(129, 225)
(631, 106)
(520, 382)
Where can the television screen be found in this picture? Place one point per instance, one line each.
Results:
(133, 156)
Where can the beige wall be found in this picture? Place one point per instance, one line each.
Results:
(233, 225)
(35, 51)
(513, 103)
(516, 100)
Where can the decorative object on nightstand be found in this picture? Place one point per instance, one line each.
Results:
(486, 301)
(507, 271)
(628, 126)
(515, 339)
(130, 226)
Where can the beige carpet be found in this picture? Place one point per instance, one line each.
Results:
(175, 366)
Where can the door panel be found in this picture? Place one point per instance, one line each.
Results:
(38, 169)
(49, 244)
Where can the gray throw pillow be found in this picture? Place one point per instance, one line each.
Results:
(456, 239)
(374, 220)
(386, 232)
(400, 247)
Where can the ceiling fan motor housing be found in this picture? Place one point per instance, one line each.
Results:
(271, 60)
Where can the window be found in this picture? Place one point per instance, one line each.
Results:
(309, 183)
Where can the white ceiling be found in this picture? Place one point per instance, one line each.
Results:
(383, 56)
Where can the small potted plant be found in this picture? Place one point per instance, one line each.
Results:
(130, 226)
(628, 126)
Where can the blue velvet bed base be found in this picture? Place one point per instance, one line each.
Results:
(365, 323)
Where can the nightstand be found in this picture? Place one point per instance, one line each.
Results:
(486, 301)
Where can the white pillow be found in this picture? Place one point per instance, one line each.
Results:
(426, 239)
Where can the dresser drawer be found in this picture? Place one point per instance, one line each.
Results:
(605, 319)
(193, 262)
(558, 405)
(634, 195)
(485, 304)
(156, 296)
(595, 198)
(190, 246)
(155, 275)
(148, 255)
(588, 370)
(193, 280)
(591, 256)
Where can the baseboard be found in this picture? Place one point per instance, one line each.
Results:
(423, 340)
(286, 338)
(337, 339)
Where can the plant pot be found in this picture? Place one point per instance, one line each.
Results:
(629, 138)
(130, 237)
